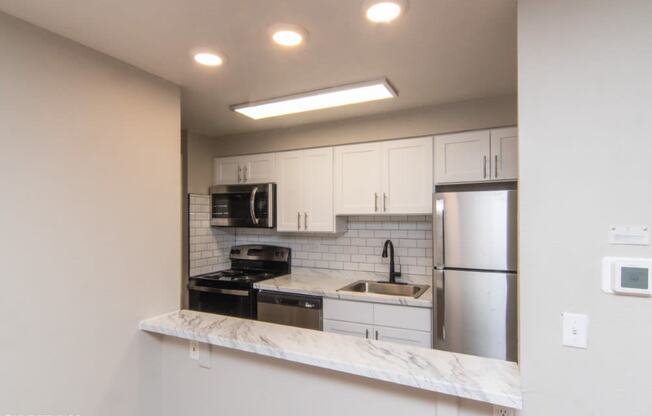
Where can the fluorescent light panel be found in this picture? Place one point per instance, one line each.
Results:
(316, 100)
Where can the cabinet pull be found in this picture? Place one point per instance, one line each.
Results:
(298, 220)
(239, 173)
(375, 201)
(376, 335)
(496, 166)
(366, 333)
(384, 202)
(484, 167)
(305, 220)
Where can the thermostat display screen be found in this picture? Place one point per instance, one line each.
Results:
(634, 278)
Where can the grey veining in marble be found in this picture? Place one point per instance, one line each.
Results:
(482, 379)
(324, 282)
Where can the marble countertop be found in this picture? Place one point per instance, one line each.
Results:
(482, 379)
(325, 283)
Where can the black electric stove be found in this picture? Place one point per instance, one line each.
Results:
(231, 292)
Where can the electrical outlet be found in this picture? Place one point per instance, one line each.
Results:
(575, 330)
(194, 350)
(503, 411)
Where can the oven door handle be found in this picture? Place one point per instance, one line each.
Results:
(252, 200)
(235, 292)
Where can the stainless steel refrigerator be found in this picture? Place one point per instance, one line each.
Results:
(474, 241)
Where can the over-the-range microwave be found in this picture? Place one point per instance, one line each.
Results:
(250, 205)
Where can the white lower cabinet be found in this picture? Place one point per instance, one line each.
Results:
(391, 323)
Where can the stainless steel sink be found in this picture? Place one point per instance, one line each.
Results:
(385, 288)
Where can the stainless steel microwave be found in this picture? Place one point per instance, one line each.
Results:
(250, 205)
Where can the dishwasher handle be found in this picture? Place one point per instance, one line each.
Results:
(289, 299)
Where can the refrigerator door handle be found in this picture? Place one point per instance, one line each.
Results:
(440, 308)
(439, 232)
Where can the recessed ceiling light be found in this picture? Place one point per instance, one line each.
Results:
(288, 35)
(208, 58)
(384, 11)
(316, 100)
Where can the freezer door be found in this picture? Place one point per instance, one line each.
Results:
(475, 230)
(475, 313)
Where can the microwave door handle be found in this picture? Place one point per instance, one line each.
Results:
(252, 201)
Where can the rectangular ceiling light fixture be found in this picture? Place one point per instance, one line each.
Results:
(361, 92)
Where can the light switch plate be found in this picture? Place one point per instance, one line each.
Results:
(575, 330)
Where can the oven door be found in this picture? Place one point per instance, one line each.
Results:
(250, 205)
(233, 302)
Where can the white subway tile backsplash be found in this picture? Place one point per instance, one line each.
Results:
(359, 248)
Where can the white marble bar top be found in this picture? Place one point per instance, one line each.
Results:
(482, 379)
(325, 283)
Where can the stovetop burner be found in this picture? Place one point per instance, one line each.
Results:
(239, 276)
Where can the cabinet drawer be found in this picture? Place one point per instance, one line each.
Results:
(347, 328)
(344, 310)
(403, 336)
(407, 317)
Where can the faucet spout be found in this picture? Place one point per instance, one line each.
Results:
(392, 273)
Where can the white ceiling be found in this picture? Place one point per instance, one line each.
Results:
(439, 51)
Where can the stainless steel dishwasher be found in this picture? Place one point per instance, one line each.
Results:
(291, 309)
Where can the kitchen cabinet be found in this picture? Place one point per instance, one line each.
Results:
(392, 177)
(476, 156)
(243, 169)
(304, 184)
(504, 153)
(392, 323)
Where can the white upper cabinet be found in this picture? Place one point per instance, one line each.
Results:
(393, 177)
(305, 191)
(462, 157)
(289, 189)
(407, 176)
(504, 153)
(243, 169)
(476, 156)
(358, 179)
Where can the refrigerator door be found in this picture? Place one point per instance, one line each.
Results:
(475, 313)
(475, 230)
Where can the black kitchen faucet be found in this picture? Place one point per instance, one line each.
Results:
(392, 273)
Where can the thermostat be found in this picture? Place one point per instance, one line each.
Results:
(627, 276)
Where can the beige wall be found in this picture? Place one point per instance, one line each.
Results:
(469, 115)
(585, 157)
(90, 226)
(241, 383)
(200, 151)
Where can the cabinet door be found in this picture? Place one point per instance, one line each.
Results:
(358, 181)
(317, 175)
(258, 168)
(504, 153)
(289, 186)
(347, 328)
(462, 157)
(403, 336)
(227, 171)
(407, 172)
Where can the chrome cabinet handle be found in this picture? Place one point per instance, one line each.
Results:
(305, 220)
(496, 167)
(376, 335)
(484, 167)
(384, 202)
(366, 333)
(298, 220)
(375, 201)
(252, 201)
(239, 173)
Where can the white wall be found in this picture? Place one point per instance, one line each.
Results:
(585, 156)
(241, 383)
(90, 226)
